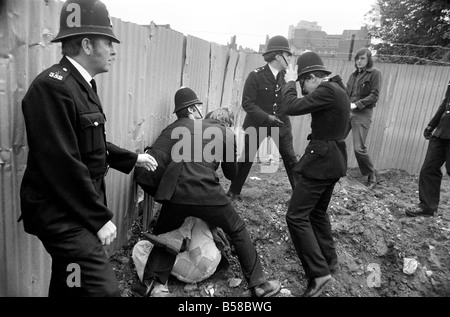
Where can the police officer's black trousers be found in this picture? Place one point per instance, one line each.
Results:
(79, 251)
(310, 227)
(285, 147)
(430, 179)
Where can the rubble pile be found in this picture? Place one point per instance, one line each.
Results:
(382, 252)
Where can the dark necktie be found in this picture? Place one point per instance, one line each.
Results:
(94, 85)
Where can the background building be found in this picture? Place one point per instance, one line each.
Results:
(309, 36)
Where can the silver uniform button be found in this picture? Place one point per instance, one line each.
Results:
(312, 152)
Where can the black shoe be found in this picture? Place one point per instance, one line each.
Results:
(234, 196)
(316, 286)
(372, 180)
(418, 213)
(266, 289)
(138, 290)
(142, 289)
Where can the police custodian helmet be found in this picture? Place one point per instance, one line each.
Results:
(310, 62)
(185, 97)
(80, 17)
(276, 44)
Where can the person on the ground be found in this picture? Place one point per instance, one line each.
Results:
(262, 102)
(190, 187)
(322, 165)
(363, 87)
(62, 193)
(438, 153)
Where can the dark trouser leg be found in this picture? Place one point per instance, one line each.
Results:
(431, 175)
(287, 153)
(360, 125)
(245, 163)
(242, 174)
(320, 222)
(233, 225)
(80, 249)
(160, 262)
(308, 194)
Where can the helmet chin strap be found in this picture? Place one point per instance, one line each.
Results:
(287, 65)
(199, 112)
(282, 56)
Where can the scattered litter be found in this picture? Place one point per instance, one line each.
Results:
(234, 282)
(409, 266)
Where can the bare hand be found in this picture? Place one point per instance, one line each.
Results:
(274, 121)
(353, 106)
(107, 233)
(147, 161)
(291, 73)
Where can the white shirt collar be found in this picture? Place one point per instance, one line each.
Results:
(81, 69)
(274, 71)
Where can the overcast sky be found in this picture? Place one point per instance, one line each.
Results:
(250, 20)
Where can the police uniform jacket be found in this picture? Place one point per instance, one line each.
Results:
(441, 120)
(329, 105)
(192, 151)
(63, 185)
(262, 97)
(367, 88)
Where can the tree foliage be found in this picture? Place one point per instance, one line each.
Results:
(411, 31)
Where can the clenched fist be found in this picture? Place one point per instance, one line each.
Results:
(107, 233)
(428, 132)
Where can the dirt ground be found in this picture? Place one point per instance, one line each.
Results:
(373, 239)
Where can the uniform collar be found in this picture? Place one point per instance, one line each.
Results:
(83, 72)
(274, 71)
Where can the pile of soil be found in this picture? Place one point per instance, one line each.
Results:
(382, 252)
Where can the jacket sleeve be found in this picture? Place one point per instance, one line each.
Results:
(50, 117)
(249, 97)
(375, 86)
(121, 159)
(322, 98)
(437, 117)
(149, 181)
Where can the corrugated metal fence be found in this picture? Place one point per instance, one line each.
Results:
(137, 95)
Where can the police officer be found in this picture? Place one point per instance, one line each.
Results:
(322, 165)
(430, 178)
(62, 194)
(190, 187)
(262, 101)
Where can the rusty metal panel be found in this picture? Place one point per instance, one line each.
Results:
(164, 73)
(228, 99)
(410, 96)
(219, 57)
(196, 70)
